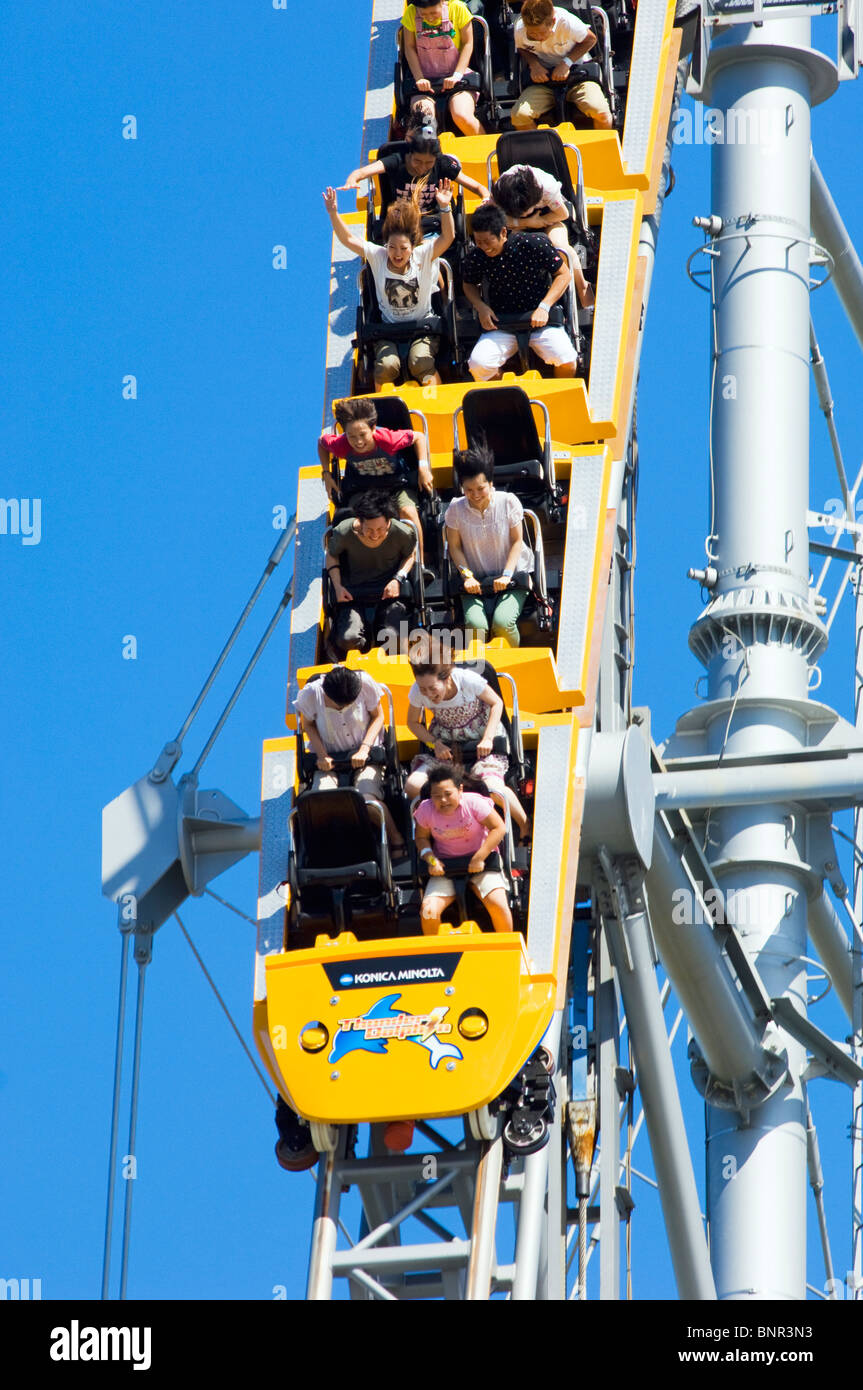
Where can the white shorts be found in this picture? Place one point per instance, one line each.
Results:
(484, 883)
(494, 349)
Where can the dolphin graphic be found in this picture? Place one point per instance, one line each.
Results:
(344, 1043)
(349, 1041)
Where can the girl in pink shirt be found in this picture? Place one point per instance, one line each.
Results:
(453, 824)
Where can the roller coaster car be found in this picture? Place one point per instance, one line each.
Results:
(503, 415)
(406, 1027)
(480, 80)
(401, 1026)
(372, 329)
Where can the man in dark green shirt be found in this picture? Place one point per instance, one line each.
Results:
(371, 553)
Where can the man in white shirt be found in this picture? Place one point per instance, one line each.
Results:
(552, 41)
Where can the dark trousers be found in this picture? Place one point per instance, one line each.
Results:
(357, 627)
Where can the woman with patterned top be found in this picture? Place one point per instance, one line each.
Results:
(463, 709)
(484, 535)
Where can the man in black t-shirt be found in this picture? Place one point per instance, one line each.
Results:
(525, 275)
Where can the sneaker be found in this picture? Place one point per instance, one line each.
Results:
(398, 1135)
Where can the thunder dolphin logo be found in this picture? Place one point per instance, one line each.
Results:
(374, 1030)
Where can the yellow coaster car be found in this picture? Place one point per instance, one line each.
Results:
(406, 1027)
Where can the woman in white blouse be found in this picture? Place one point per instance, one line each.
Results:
(484, 535)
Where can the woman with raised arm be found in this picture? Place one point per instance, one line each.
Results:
(405, 272)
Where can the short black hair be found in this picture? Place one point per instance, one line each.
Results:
(421, 135)
(517, 190)
(488, 218)
(341, 685)
(355, 408)
(431, 668)
(475, 462)
(367, 505)
(445, 772)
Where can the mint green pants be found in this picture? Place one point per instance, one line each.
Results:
(500, 614)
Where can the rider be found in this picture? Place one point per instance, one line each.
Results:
(551, 40)
(342, 714)
(454, 823)
(484, 535)
(463, 709)
(373, 550)
(370, 453)
(405, 271)
(438, 43)
(417, 157)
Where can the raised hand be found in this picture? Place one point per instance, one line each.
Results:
(443, 194)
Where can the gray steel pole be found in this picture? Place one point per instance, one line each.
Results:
(608, 1060)
(482, 1248)
(829, 229)
(857, 972)
(693, 958)
(324, 1230)
(629, 943)
(759, 632)
(834, 780)
(831, 942)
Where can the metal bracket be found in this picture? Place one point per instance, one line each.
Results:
(143, 945)
(624, 1202)
(821, 853)
(829, 1054)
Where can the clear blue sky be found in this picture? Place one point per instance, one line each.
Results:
(153, 257)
